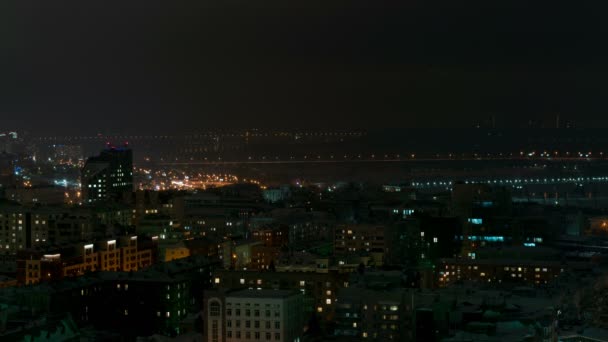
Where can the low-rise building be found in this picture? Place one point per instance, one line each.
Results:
(361, 238)
(254, 315)
(319, 288)
(122, 255)
(374, 314)
(529, 272)
(154, 300)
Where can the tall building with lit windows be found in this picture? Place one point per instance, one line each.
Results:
(254, 315)
(361, 239)
(108, 176)
(15, 228)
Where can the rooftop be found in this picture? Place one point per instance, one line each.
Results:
(250, 293)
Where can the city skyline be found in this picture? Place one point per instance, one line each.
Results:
(303, 171)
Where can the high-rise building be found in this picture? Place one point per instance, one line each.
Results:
(108, 176)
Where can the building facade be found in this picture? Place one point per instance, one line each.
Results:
(108, 176)
(254, 315)
(119, 255)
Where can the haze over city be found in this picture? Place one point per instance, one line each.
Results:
(134, 66)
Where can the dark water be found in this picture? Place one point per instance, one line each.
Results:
(398, 172)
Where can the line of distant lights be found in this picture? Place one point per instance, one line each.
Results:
(574, 180)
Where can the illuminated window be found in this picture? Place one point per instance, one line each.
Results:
(242, 281)
(217, 280)
(328, 301)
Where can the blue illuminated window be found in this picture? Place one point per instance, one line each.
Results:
(486, 238)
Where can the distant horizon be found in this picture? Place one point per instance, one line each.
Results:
(179, 132)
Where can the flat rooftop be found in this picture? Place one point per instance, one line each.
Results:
(250, 293)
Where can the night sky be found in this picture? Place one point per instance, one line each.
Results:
(171, 66)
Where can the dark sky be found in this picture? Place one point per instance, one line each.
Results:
(174, 65)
